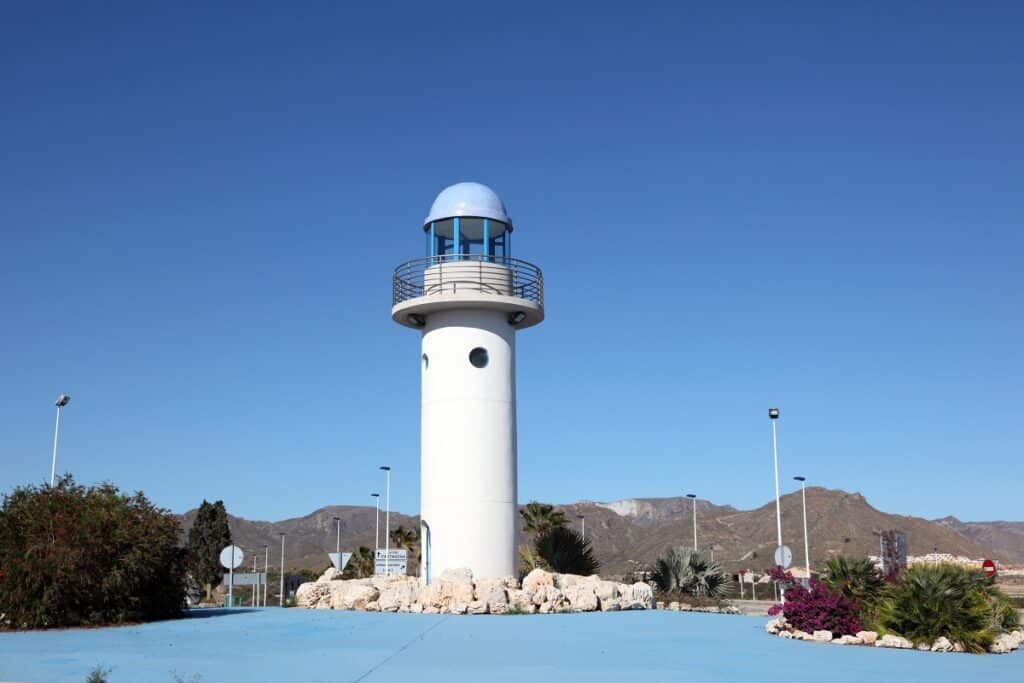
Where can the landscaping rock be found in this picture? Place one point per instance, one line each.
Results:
(867, 637)
(330, 574)
(848, 640)
(673, 606)
(774, 626)
(889, 640)
(802, 635)
(942, 645)
(1004, 643)
(536, 580)
(822, 636)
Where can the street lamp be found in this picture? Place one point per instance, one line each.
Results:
(376, 524)
(337, 520)
(387, 519)
(281, 597)
(583, 526)
(693, 497)
(773, 415)
(62, 401)
(266, 569)
(807, 547)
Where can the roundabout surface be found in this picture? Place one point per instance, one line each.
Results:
(217, 646)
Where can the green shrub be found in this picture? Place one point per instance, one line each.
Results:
(929, 601)
(685, 571)
(564, 550)
(72, 555)
(855, 578)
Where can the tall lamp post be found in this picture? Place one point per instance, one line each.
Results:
(773, 415)
(266, 570)
(807, 546)
(62, 401)
(693, 497)
(281, 597)
(583, 526)
(376, 524)
(387, 518)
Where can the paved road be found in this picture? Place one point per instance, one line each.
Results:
(322, 646)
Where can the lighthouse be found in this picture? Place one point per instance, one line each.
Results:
(467, 296)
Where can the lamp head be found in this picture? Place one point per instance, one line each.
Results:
(385, 468)
(773, 413)
(63, 400)
(375, 495)
(691, 495)
(801, 479)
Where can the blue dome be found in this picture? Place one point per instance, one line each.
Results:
(468, 199)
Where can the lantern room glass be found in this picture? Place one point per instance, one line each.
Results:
(464, 236)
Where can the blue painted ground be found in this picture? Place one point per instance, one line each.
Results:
(320, 646)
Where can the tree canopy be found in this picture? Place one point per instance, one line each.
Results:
(207, 537)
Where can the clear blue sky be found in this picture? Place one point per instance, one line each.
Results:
(735, 206)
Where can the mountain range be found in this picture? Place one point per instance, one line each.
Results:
(638, 530)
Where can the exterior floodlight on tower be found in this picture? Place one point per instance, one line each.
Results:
(807, 545)
(376, 523)
(693, 497)
(62, 401)
(467, 297)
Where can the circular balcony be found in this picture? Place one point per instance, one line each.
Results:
(434, 283)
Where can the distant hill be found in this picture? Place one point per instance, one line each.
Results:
(641, 529)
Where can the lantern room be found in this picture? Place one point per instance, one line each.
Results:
(465, 219)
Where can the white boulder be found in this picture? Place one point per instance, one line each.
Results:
(898, 642)
(867, 637)
(942, 644)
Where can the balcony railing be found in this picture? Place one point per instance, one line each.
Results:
(477, 273)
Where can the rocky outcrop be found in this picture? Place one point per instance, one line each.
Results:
(456, 592)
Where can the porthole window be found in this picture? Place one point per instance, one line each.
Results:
(426, 361)
(478, 357)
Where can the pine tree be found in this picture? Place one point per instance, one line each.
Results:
(207, 537)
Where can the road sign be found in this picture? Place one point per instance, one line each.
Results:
(248, 579)
(391, 562)
(226, 557)
(783, 556)
(989, 567)
(339, 560)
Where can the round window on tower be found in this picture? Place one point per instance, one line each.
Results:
(478, 357)
(426, 361)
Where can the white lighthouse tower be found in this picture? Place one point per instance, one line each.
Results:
(468, 296)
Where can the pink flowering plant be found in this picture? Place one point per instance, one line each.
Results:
(815, 609)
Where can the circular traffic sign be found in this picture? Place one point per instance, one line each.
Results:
(783, 556)
(989, 567)
(231, 557)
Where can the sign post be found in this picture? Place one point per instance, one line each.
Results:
(340, 560)
(783, 556)
(390, 561)
(989, 567)
(230, 557)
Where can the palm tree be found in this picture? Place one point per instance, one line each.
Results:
(856, 578)
(689, 571)
(408, 539)
(539, 518)
(565, 551)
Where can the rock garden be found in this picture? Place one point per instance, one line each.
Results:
(458, 592)
(932, 608)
